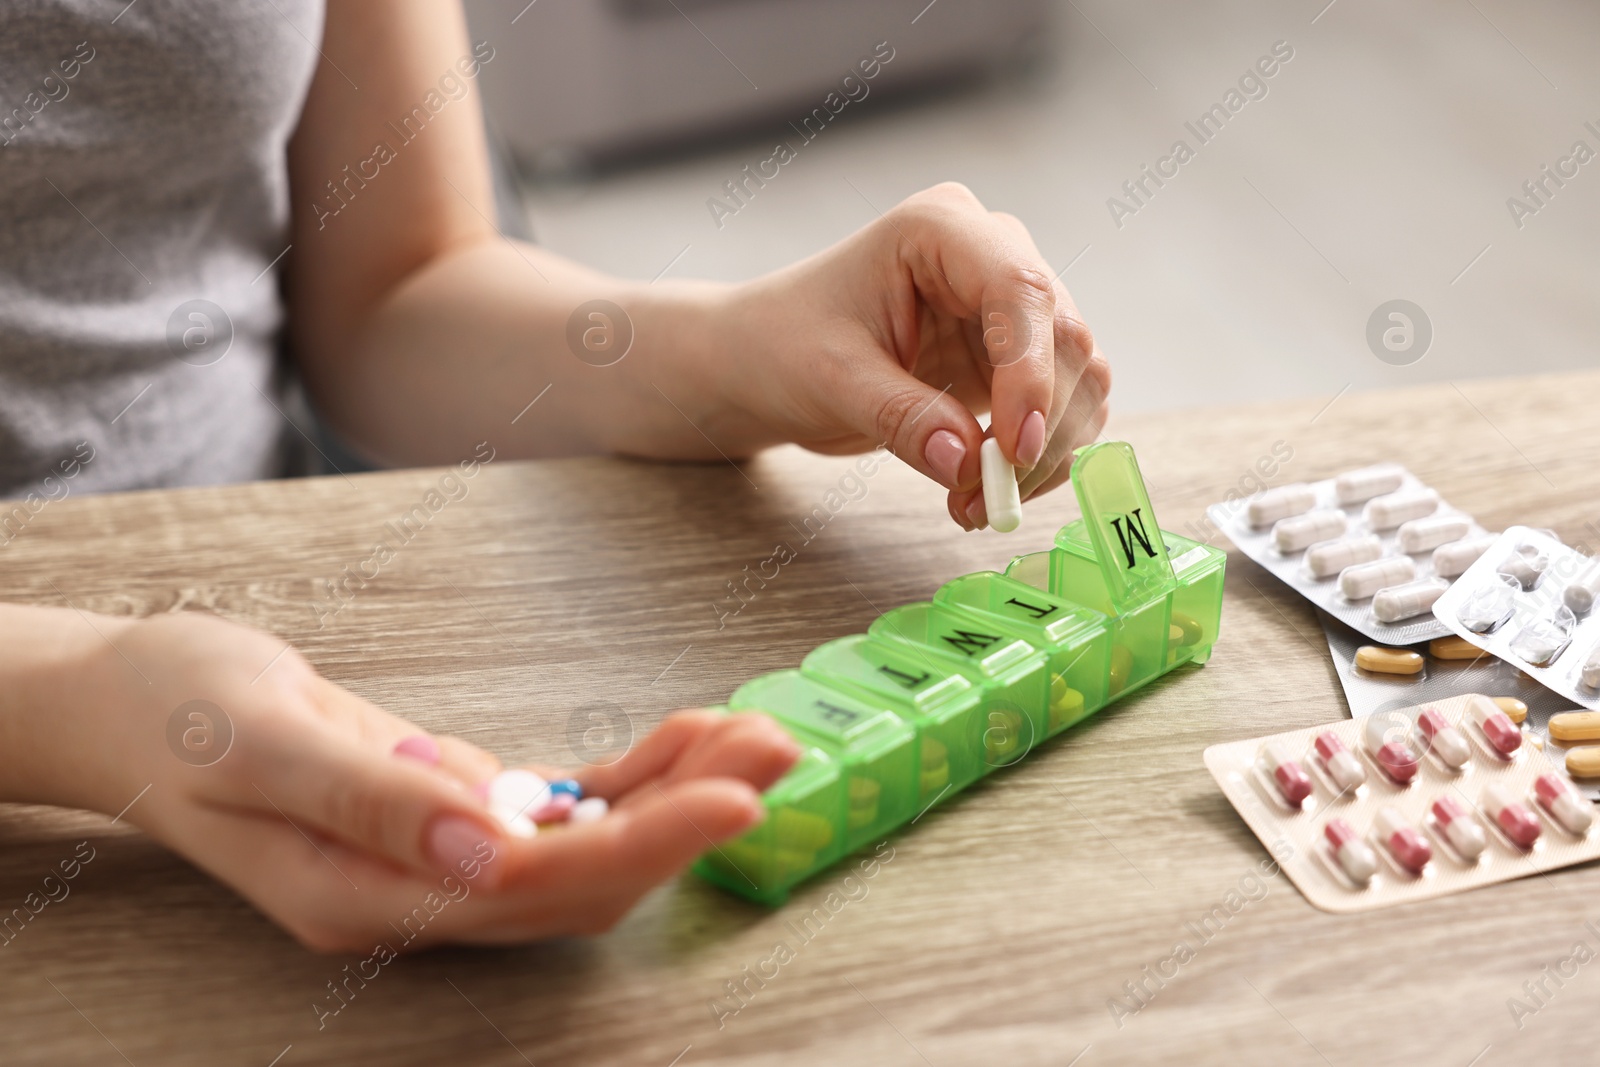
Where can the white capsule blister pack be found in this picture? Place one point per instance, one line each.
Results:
(1373, 547)
(1406, 805)
(1535, 603)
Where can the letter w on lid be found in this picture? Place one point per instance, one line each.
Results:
(1122, 524)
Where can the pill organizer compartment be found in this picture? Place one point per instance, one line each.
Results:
(799, 835)
(941, 699)
(1077, 639)
(1015, 675)
(1114, 604)
(876, 748)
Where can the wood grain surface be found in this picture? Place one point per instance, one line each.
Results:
(555, 597)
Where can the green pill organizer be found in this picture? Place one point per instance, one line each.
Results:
(935, 695)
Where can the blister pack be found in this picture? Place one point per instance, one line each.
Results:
(1531, 601)
(1406, 805)
(1378, 678)
(1373, 547)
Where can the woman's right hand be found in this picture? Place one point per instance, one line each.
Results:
(288, 788)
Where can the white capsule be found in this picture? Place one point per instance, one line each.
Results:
(1387, 512)
(1358, 486)
(1291, 535)
(1364, 579)
(1591, 668)
(514, 796)
(1584, 590)
(1525, 566)
(1267, 508)
(1408, 601)
(1452, 560)
(589, 809)
(1331, 557)
(1424, 535)
(1000, 496)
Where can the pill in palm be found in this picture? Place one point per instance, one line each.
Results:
(1513, 817)
(1387, 512)
(1443, 739)
(1354, 857)
(1408, 601)
(1459, 827)
(1453, 559)
(1364, 579)
(1328, 559)
(1280, 503)
(1001, 499)
(1294, 534)
(1408, 847)
(1388, 660)
(1425, 535)
(516, 794)
(1359, 486)
(1565, 806)
(589, 809)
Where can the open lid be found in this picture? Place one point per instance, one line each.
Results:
(1122, 525)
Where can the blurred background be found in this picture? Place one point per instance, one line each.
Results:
(1424, 153)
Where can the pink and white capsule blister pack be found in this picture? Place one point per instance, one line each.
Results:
(1535, 603)
(1373, 547)
(1406, 805)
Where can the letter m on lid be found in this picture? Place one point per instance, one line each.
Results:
(1122, 524)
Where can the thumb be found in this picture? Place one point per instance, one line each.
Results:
(925, 427)
(389, 807)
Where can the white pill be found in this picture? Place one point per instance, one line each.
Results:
(1000, 496)
(1425, 535)
(589, 809)
(515, 795)
(1584, 590)
(1525, 566)
(1591, 668)
(1358, 486)
(1387, 512)
(1452, 560)
(1541, 641)
(1364, 579)
(1293, 534)
(1329, 558)
(1486, 608)
(1267, 508)
(1407, 601)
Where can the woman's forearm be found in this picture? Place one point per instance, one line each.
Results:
(509, 343)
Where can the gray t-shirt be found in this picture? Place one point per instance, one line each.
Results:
(144, 201)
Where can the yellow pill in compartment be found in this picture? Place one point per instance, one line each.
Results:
(1066, 704)
(1515, 709)
(1388, 660)
(1190, 628)
(1121, 667)
(1584, 762)
(1576, 726)
(1453, 647)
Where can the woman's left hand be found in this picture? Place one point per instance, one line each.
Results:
(906, 331)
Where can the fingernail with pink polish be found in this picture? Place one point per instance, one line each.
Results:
(944, 453)
(419, 747)
(462, 847)
(1030, 440)
(976, 515)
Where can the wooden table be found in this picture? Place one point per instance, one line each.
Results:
(1006, 920)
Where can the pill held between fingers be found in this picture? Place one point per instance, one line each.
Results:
(1361, 485)
(1453, 647)
(1388, 660)
(1408, 847)
(1293, 784)
(1425, 535)
(1268, 507)
(1331, 557)
(1459, 827)
(1353, 855)
(1001, 498)
(1565, 806)
(1514, 709)
(1575, 726)
(1387, 512)
(1364, 579)
(1452, 560)
(1408, 601)
(1294, 534)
